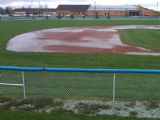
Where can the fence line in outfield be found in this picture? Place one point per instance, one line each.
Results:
(71, 83)
(82, 17)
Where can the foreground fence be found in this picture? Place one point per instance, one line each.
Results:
(90, 84)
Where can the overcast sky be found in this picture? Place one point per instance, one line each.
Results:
(151, 4)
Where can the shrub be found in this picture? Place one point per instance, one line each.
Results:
(72, 16)
(59, 16)
(96, 15)
(108, 17)
(34, 17)
(47, 17)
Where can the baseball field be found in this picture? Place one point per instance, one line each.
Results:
(146, 38)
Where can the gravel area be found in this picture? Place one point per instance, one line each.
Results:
(137, 109)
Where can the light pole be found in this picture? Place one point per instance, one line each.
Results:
(95, 6)
(39, 6)
(157, 9)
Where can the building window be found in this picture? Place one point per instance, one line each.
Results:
(120, 11)
(115, 11)
(82, 12)
(67, 12)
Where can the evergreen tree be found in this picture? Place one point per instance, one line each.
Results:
(72, 16)
(47, 17)
(96, 15)
(59, 16)
(7, 10)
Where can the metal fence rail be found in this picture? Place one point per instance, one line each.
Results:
(68, 83)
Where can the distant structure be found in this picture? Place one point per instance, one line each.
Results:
(72, 9)
(102, 10)
(35, 11)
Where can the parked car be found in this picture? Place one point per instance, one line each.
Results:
(68, 15)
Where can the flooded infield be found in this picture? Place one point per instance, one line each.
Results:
(88, 39)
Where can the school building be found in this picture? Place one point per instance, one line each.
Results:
(90, 10)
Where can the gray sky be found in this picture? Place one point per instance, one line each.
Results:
(151, 4)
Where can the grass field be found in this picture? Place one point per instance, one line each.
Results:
(79, 85)
(71, 60)
(142, 38)
(128, 86)
(17, 115)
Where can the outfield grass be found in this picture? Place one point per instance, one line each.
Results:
(80, 86)
(70, 60)
(147, 38)
(17, 115)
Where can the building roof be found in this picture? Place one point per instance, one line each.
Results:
(72, 8)
(33, 9)
(112, 7)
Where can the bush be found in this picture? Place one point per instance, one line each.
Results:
(34, 17)
(108, 17)
(47, 17)
(59, 16)
(96, 15)
(72, 16)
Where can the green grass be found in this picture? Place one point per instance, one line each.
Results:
(77, 85)
(70, 60)
(73, 86)
(17, 115)
(147, 38)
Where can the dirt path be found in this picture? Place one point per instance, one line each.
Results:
(89, 39)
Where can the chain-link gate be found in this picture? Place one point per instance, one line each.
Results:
(81, 84)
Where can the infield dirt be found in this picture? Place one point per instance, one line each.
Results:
(87, 39)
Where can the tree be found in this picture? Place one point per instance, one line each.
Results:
(59, 16)
(29, 6)
(47, 17)
(72, 16)
(1, 10)
(96, 15)
(41, 6)
(45, 6)
(7, 10)
(126, 11)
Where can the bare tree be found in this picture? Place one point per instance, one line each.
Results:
(8, 9)
(126, 11)
(45, 6)
(29, 6)
(41, 6)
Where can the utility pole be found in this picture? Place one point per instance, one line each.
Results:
(95, 6)
(157, 8)
(157, 11)
(39, 7)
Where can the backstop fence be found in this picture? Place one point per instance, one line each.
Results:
(80, 84)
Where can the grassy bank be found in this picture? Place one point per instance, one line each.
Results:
(70, 60)
(17, 115)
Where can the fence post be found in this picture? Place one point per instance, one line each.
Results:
(23, 85)
(113, 87)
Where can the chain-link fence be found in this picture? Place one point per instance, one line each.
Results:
(82, 17)
(81, 84)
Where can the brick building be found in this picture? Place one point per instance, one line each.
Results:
(116, 10)
(90, 10)
(34, 11)
(72, 9)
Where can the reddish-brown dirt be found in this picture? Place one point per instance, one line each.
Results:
(89, 39)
